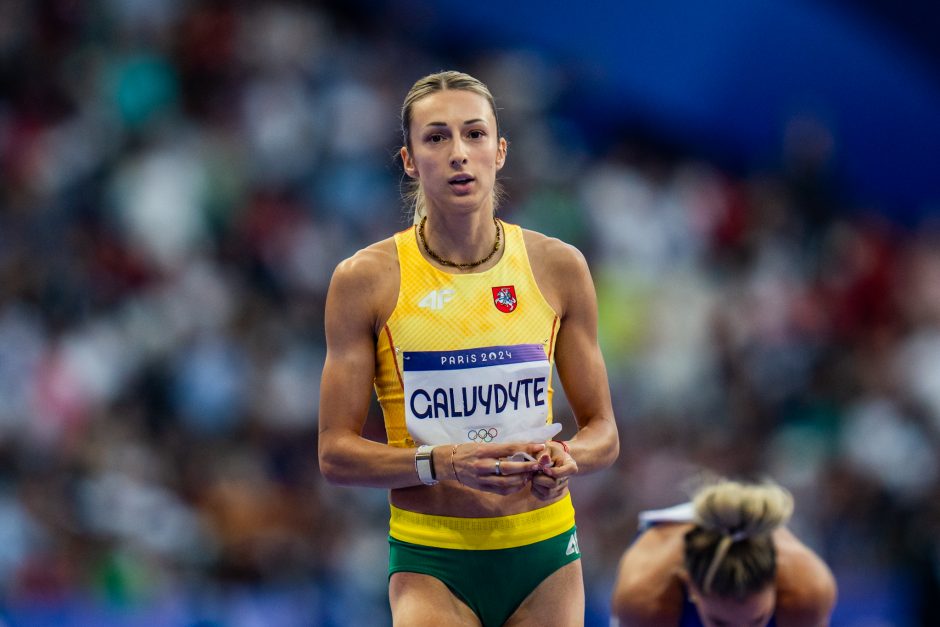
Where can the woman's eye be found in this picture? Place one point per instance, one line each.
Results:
(476, 134)
(436, 138)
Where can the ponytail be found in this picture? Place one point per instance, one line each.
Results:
(730, 552)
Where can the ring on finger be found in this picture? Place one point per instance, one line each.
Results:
(498, 469)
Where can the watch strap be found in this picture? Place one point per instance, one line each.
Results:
(424, 465)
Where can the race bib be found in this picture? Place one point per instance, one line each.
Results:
(490, 394)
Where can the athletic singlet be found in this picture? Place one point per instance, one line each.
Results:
(679, 514)
(467, 357)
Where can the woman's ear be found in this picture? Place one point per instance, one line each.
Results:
(408, 163)
(501, 153)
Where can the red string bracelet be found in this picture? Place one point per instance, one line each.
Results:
(564, 445)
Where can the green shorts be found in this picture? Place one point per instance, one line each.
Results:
(493, 583)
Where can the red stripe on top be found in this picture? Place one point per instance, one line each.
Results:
(551, 340)
(391, 345)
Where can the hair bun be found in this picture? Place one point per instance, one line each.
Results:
(742, 510)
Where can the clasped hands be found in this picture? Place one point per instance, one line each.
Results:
(494, 467)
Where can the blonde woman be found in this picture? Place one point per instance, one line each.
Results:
(725, 559)
(457, 322)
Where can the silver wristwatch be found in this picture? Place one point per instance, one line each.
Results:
(425, 465)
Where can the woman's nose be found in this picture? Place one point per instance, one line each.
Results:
(459, 155)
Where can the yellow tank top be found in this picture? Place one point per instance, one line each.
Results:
(467, 357)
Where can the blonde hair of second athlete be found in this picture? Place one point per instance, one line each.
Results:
(425, 86)
(730, 552)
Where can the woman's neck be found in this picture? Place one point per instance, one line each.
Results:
(463, 242)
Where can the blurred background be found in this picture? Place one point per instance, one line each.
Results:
(755, 185)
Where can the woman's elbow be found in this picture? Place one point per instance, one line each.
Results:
(612, 450)
(330, 462)
(330, 471)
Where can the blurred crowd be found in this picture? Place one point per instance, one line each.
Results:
(177, 182)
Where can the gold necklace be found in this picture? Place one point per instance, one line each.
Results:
(453, 264)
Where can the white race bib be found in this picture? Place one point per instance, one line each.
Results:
(489, 394)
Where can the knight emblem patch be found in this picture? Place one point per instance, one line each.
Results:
(504, 297)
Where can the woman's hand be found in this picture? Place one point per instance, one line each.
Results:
(487, 467)
(555, 467)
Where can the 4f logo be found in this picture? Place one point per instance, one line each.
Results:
(436, 299)
(573, 545)
(504, 297)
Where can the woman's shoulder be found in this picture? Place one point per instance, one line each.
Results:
(657, 552)
(544, 249)
(368, 281)
(805, 584)
(648, 590)
(560, 270)
(371, 263)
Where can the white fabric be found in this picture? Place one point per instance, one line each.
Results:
(488, 394)
(681, 513)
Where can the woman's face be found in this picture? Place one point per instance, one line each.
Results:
(753, 611)
(455, 152)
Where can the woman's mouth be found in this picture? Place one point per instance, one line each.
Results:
(461, 182)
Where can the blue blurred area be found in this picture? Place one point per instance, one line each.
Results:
(730, 80)
(753, 185)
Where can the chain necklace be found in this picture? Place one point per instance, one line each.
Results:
(453, 264)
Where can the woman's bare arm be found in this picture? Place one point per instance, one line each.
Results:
(565, 280)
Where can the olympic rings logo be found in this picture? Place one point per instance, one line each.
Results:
(483, 435)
